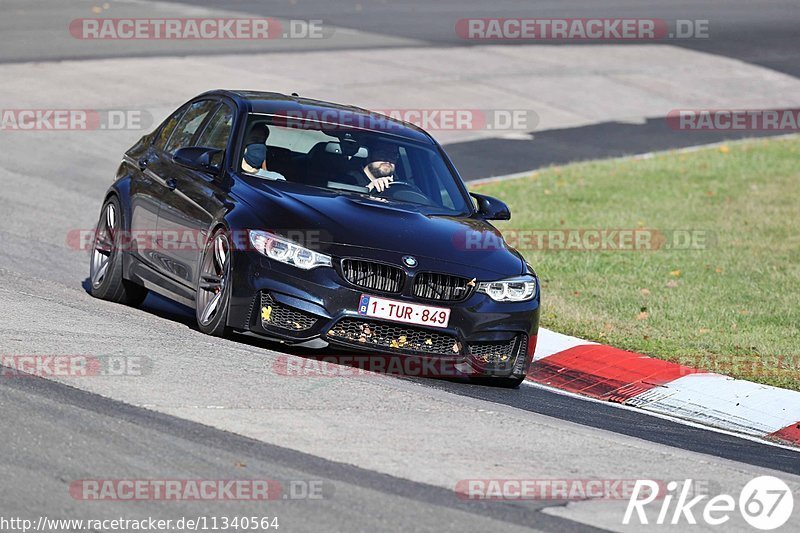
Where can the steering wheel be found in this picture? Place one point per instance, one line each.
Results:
(408, 193)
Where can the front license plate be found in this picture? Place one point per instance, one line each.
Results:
(423, 315)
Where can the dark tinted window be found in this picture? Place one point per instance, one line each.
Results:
(339, 158)
(189, 124)
(168, 127)
(218, 130)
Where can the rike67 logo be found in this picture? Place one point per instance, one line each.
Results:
(765, 503)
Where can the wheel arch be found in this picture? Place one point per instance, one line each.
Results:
(122, 190)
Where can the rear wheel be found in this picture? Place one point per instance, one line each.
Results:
(105, 267)
(213, 287)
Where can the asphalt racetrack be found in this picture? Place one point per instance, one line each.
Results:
(379, 452)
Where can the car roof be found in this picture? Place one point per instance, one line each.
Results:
(273, 103)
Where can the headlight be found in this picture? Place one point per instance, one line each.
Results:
(519, 289)
(286, 251)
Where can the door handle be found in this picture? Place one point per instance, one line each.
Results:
(143, 163)
(171, 184)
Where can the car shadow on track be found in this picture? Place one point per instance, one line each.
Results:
(322, 362)
(161, 307)
(340, 362)
(534, 399)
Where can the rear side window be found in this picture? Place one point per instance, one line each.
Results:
(189, 124)
(218, 130)
(168, 127)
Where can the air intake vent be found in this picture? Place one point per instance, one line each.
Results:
(394, 337)
(374, 276)
(444, 287)
(276, 315)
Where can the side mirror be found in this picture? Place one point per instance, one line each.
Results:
(197, 158)
(491, 208)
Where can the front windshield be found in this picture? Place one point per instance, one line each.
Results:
(351, 161)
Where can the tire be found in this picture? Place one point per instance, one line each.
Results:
(213, 292)
(105, 263)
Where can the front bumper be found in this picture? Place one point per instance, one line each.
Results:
(295, 306)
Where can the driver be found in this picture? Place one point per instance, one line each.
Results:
(255, 162)
(380, 170)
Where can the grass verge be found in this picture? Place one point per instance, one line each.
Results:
(719, 286)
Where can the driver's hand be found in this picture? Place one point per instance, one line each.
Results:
(380, 184)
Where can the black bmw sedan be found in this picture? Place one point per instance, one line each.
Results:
(316, 224)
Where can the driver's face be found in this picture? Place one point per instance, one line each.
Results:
(381, 169)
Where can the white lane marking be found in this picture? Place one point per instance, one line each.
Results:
(662, 416)
(725, 402)
(550, 342)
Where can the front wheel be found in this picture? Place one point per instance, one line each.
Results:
(213, 286)
(105, 267)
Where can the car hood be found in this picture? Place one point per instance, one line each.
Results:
(355, 225)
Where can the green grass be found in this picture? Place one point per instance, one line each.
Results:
(732, 306)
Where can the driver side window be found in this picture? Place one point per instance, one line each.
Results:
(217, 133)
(218, 130)
(168, 127)
(189, 124)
